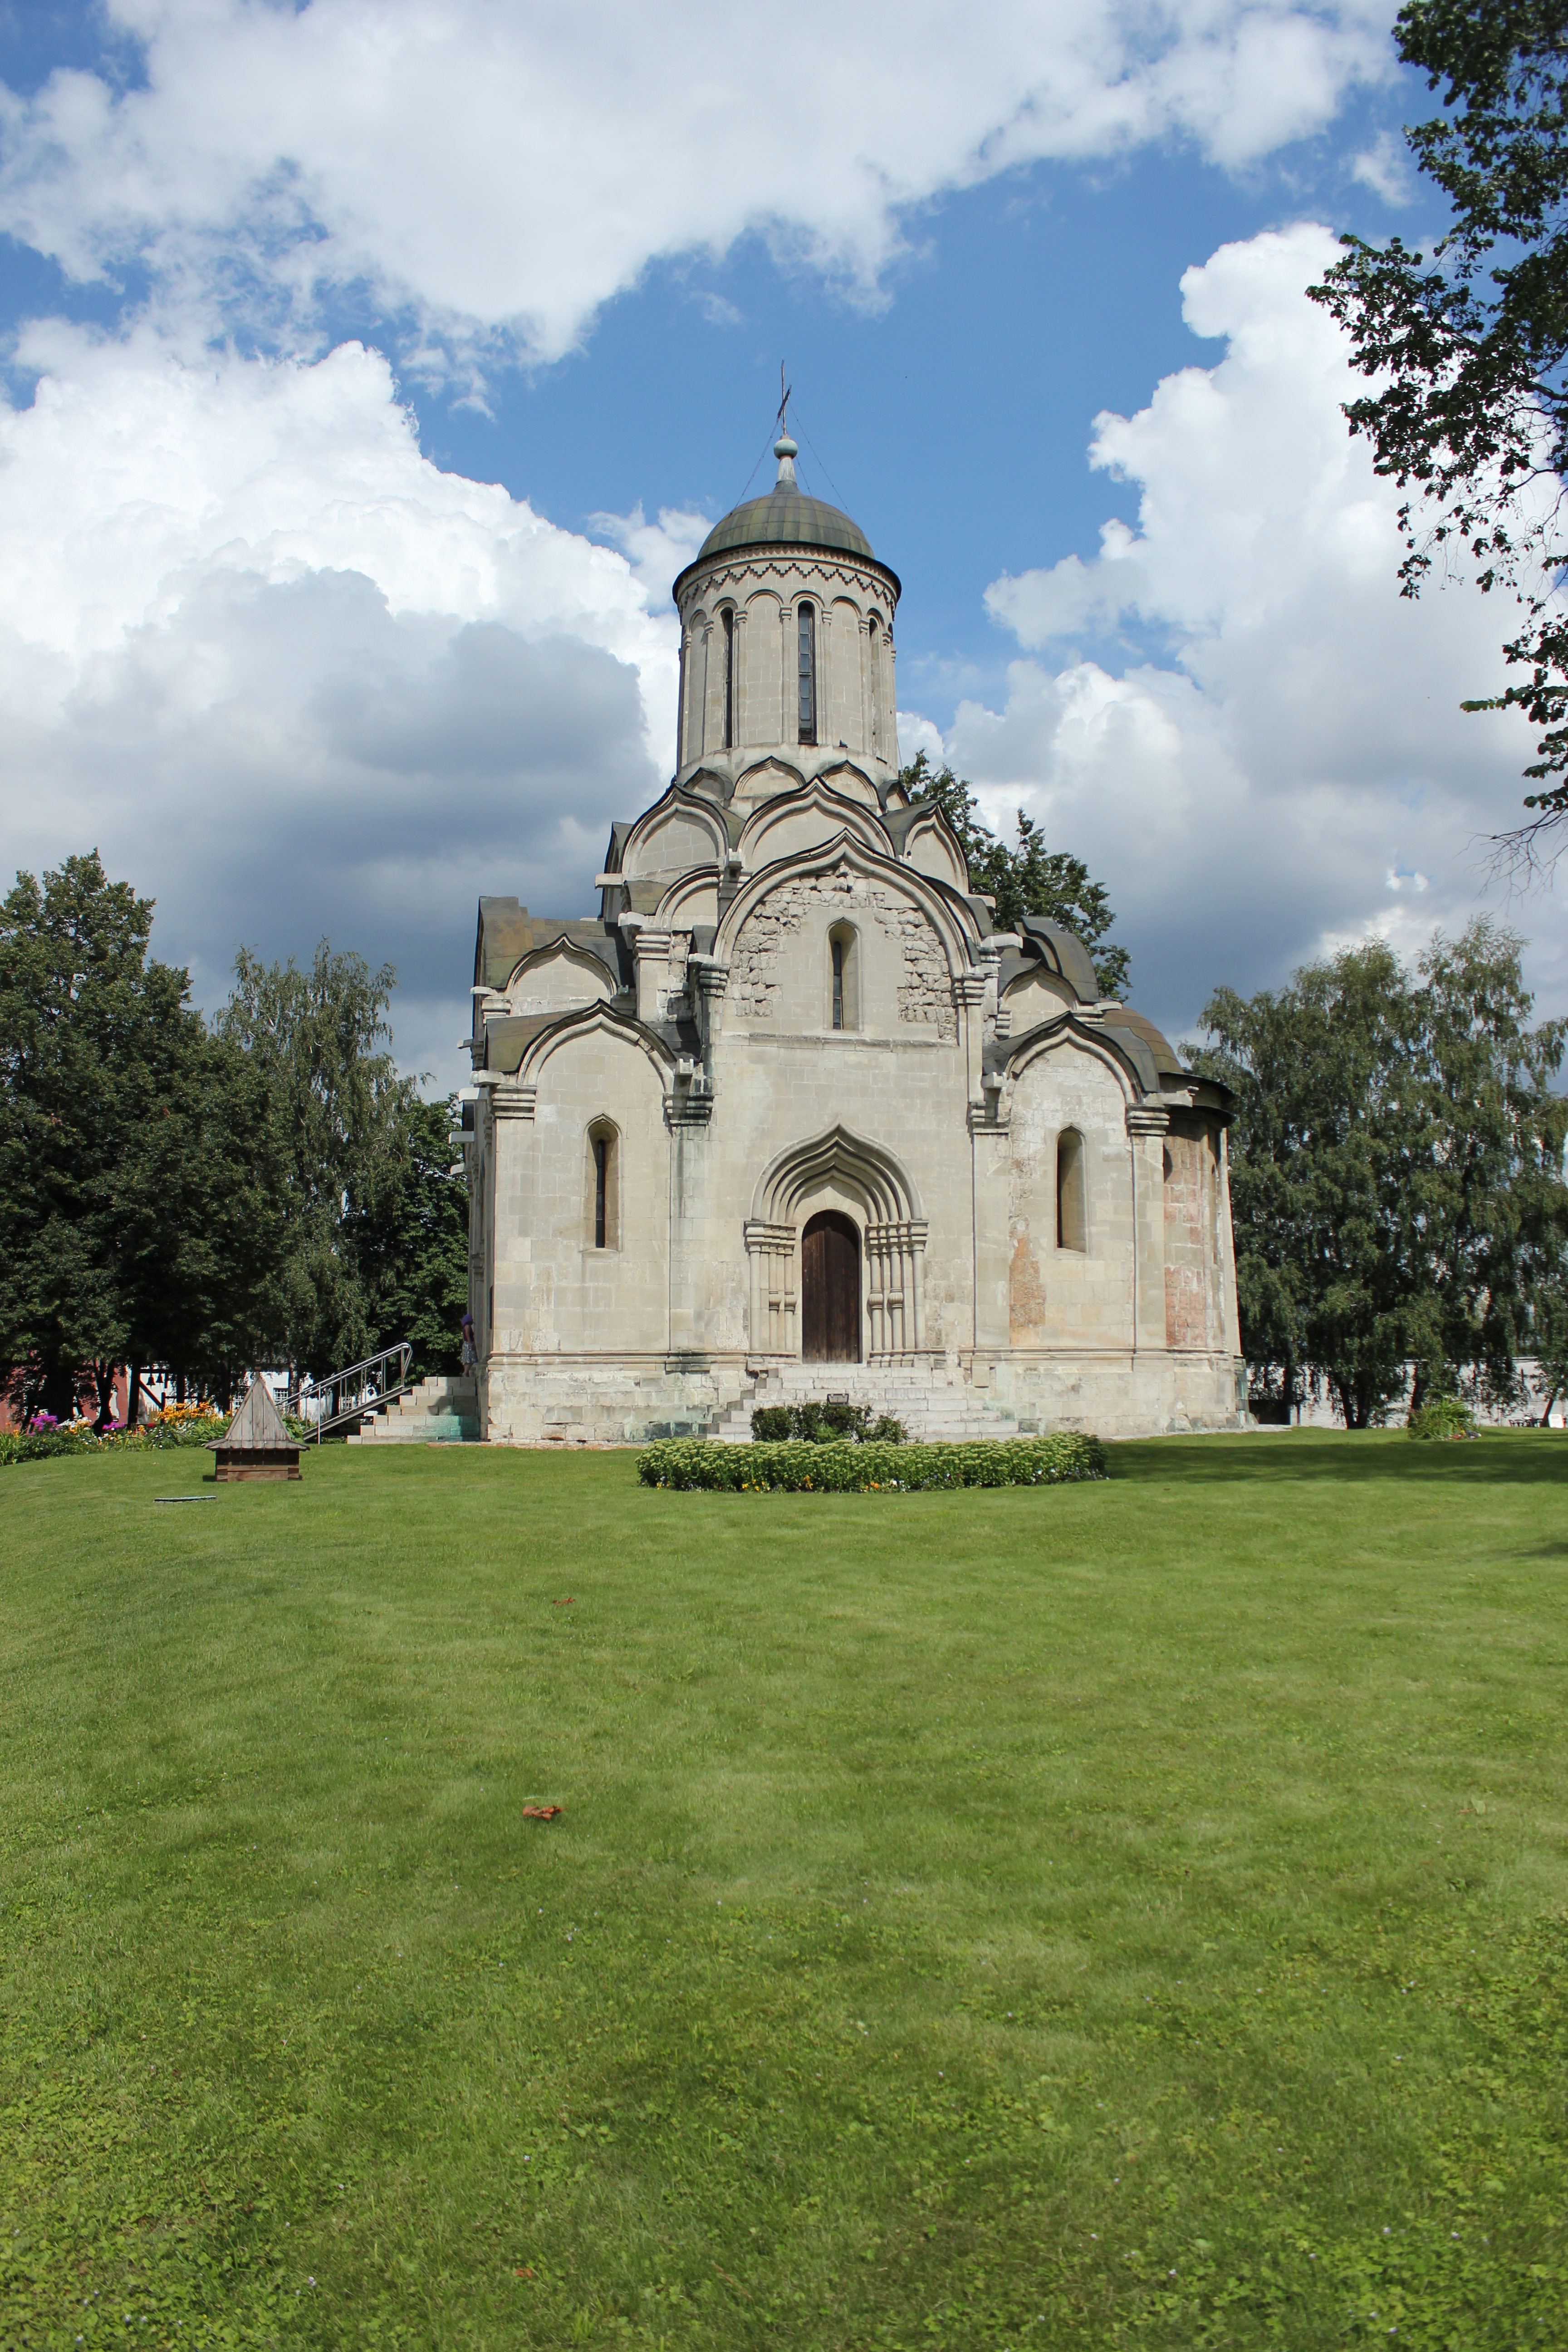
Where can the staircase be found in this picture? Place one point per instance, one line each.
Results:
(442, 1411)
(344, 1399)
(932, 1404)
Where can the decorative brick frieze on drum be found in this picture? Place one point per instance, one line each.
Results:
(790, 1088)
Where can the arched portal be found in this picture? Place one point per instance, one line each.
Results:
(830, 1290)
(887, 1227)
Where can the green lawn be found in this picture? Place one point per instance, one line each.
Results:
(1132, 1914)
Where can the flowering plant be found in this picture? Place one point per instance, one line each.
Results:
(43, 1438)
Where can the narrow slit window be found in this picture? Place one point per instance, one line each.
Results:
(602, 1204)
(806, 640)
(729, 677)
(1072, 1219)
(873, 698)
(843, 977)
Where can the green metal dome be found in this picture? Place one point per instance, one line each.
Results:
(786, 518)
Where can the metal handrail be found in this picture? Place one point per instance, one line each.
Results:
(353, 1391)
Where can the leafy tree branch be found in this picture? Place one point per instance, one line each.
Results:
(1396, 1172)
(1023, 878)
(1468, 348)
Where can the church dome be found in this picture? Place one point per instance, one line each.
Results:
(785, 516)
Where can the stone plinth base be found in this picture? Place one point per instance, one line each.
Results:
(592, 1401)
(1149, 1392)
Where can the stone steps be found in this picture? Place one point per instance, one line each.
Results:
(934, 1406)
(442, 1411)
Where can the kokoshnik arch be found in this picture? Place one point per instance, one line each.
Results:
(790, 1113)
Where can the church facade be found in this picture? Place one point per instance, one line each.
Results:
(790, 1116)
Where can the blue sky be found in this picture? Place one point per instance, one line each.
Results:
(954, 416)
(247, 243)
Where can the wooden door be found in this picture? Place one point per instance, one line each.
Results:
(830, 1290)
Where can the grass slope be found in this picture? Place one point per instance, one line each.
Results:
(1114, 1915)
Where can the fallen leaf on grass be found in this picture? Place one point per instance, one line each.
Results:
(565, 1601)
(525, 2273)
(539, 1813)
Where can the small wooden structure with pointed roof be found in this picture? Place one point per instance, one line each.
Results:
(256, 1443)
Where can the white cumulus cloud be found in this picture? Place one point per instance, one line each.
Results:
(293, 680)
(1229, 711)
(505, 170)
(656, 551)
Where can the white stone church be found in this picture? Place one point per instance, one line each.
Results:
(790, 1117)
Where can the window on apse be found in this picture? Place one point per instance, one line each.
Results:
(1072, 1217)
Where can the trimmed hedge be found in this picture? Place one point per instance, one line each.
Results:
(826, 1424)
(797, 1469)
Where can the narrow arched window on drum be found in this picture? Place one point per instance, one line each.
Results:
(729, 618)
(806, 631)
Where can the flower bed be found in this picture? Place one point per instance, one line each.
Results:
(40, 1444)
(179, 1425)
(798, 1469)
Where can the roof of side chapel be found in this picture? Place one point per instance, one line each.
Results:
(1166, 1060)
(508, 932)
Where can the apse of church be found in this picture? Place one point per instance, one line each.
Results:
(789, 1115)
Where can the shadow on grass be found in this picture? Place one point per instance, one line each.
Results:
(1501, 1457)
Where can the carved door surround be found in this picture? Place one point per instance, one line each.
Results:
(886, 1209)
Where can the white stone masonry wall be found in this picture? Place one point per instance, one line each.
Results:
(924, 997)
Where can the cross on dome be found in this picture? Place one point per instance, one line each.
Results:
(786, 516)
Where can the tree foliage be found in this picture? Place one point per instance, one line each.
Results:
(205, 1198)
(413, 1253)
(138, 1199)
(1396, 1171)
(376, 1229)
(1468, 348)
(1026, 878)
